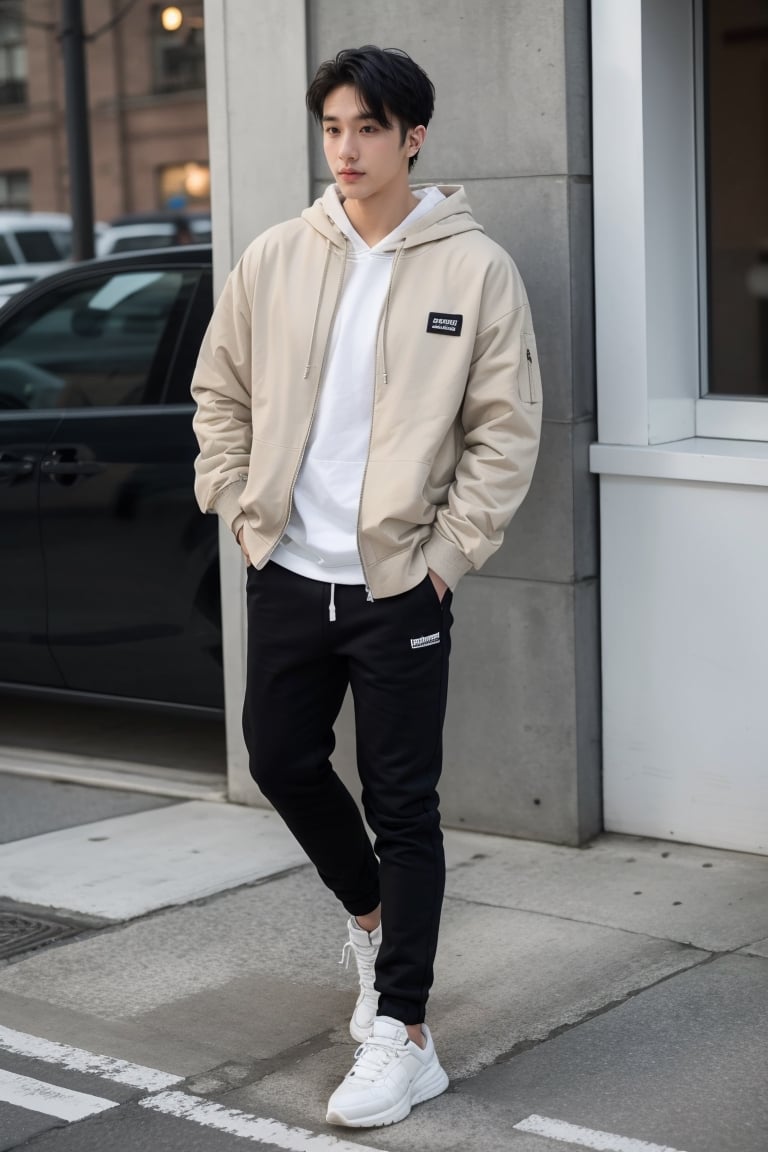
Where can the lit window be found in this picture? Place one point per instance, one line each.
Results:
(178, 46)
(185, 185)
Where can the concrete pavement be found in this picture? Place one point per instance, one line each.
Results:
(618, 989)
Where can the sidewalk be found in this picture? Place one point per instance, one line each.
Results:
(620, 988)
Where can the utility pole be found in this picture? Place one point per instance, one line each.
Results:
(78, 128)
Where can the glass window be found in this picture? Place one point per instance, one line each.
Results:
(14, 191)
(91, 344)
(6, 256)
(37, 246)
(13, 54)
(178, 46)
(736, 118)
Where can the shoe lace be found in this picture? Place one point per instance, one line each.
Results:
(373, 1056)
(366, 964)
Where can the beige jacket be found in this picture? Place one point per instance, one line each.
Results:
(457, 407)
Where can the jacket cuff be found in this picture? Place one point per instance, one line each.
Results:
(445, 559)
(227, 504)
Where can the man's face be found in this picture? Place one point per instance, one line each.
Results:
(365, 159)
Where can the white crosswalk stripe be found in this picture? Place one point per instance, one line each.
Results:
(37, 1096)
(65, 1104)
(253, 1128)
(108, 1067)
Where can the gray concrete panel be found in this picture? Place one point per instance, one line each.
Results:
(589, 777)
(553, 535)
(539, 542)
(578, 86)
(499, 72)
(582, 286)
(510, 736)
(698, 896)
(681, 1065)
(585, 509)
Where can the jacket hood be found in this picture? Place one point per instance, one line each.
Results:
(450, 217)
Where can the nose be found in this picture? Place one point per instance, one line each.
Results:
(348, 148)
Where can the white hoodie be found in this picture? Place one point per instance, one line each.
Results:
(321, 538)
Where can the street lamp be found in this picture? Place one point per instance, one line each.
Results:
(78, 133)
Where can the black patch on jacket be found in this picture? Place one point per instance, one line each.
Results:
(445, 323)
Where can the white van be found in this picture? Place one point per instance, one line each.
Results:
(32, 244)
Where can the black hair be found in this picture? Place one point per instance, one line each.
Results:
(388, 82)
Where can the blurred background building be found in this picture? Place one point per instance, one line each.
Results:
(146, 77)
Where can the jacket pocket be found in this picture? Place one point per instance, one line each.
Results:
(530, 384)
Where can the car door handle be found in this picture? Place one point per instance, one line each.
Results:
(72, 467)
(68, 463)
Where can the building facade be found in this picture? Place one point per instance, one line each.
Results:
(146, 85)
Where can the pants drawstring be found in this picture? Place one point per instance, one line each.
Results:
(332, 604)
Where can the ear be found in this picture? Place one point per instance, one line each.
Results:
(415, 138)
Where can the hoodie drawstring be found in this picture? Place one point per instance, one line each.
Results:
(385, 324)
(318, 307)
(332, 605)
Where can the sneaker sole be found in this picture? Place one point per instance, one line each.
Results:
(425, 1088)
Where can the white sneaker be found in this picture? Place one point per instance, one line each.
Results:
(364, 946)
(389, 1076)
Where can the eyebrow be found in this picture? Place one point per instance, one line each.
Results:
(360, 116)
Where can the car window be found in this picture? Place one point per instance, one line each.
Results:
(6, 256)
(92, 343)
(62, 238)
(37, 246)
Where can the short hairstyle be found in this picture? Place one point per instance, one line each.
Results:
(388, 82)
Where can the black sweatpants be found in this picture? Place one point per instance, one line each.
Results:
(393, 653)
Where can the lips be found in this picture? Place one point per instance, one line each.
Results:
(349, 173)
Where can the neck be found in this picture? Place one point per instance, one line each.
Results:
(373, 219)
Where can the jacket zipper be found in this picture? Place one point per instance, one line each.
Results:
(382, 331)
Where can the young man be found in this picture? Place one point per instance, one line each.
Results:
(368, 415)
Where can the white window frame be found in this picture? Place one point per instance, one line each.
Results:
(649, 238)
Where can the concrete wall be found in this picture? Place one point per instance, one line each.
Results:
(512, 125)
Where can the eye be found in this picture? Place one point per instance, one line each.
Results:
(369, 128)
(331, 130)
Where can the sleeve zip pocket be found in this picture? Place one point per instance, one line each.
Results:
(533, 377)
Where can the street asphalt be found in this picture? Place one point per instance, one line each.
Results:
(610, 997)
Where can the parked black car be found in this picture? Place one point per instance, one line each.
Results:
(109, 573)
